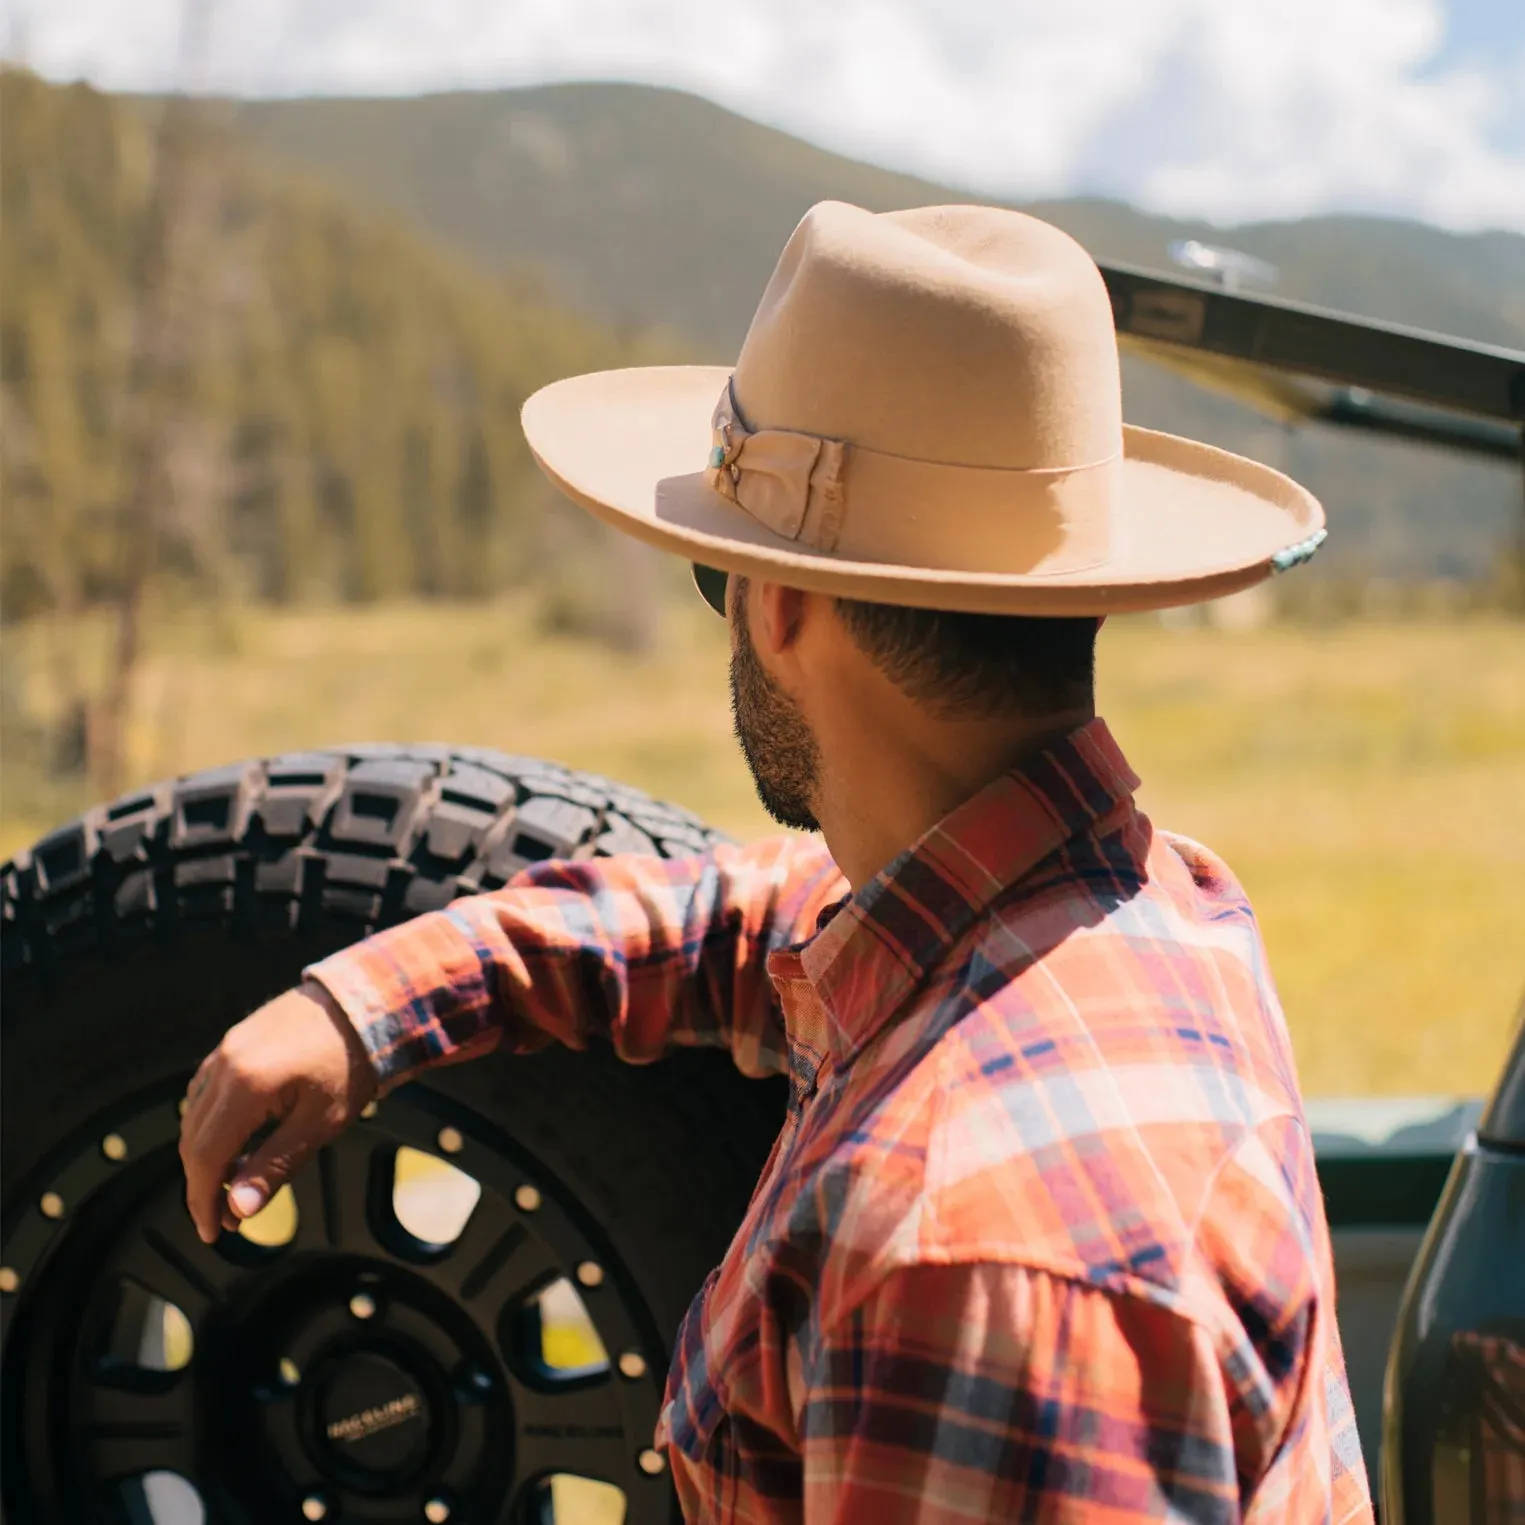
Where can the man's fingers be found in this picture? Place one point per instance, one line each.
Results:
(295, 1065)
(280, 1156)
(215, 1132)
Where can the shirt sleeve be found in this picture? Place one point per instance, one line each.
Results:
(993, 1392)
(645, 952)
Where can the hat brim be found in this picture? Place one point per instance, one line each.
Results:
(1192, 522)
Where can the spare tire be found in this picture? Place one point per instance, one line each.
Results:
(349, 1364)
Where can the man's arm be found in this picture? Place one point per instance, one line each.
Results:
(644, 952)
(978, 1392)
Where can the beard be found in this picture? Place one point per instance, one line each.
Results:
(775, 738)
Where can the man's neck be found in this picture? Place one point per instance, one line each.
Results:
(883, 787)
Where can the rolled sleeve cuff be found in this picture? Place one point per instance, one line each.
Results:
(418, 995)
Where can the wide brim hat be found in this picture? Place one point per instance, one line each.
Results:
(926, 411)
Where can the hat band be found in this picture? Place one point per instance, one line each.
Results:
(863, 505)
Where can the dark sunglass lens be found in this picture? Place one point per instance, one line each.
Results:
(711, 586)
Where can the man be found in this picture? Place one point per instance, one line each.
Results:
(1041, 1237)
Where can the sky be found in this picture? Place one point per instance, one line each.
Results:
(1227, 109)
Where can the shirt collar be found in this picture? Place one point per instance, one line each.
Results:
(879, 945)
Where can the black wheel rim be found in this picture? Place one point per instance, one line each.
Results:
(357, 1372)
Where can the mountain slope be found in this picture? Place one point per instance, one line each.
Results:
(349, 422)
(652, 206)
(644, 206)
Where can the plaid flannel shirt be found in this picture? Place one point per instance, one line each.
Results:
(1041, 1237)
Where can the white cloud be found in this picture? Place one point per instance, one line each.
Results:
(1231, 109)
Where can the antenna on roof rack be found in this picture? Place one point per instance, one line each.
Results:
(1231, 268)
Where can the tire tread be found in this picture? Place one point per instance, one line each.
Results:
(371, 834)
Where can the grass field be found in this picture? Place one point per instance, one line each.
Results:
(1366, 781)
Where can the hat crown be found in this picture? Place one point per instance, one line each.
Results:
(961, 335)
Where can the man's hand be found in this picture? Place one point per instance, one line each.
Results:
(296, 1063)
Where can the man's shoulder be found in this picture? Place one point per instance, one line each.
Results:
(1084, 1151)
(1163, 883)
(1131, 1181)
(1148, 980)
(1069, 1085)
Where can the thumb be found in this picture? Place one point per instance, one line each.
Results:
(257, 1179)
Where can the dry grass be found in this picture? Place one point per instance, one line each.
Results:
(1367, 782)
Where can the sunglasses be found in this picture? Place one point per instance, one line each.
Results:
(712, 585)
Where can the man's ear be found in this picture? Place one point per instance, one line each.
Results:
(777, 615)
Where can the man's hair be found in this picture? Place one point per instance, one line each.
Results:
(958, 665)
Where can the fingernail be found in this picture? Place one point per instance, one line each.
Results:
(246, 1199)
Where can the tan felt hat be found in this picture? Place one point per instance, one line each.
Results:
(926, 411)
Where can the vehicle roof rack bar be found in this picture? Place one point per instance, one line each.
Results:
(1484, 380)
